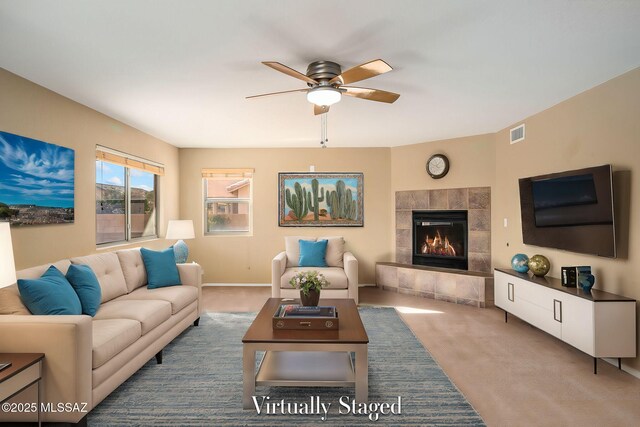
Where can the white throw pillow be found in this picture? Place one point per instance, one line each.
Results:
(292, 248)
(335, 251)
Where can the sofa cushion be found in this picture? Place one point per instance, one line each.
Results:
(312, 253)
(178, 296)
(135, 275)
(109, 273)
(49, 294)
(149, 313)
(336, 277)
(292, 248)
(161, 268)
(112, 336)
(335, 251)
(10, 302)
(36, 272)
(86, 285)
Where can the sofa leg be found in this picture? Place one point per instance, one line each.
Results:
(159, 357)
(196, 322)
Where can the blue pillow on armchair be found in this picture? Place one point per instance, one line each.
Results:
(312, 254)
(161, 268)
(50, 294)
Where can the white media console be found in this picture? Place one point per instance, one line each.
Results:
(598, 323)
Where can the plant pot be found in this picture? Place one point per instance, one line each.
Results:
(311, 300)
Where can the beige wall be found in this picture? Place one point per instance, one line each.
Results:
(247, 259)
(471, 164)
(596, 127)
(35, 112)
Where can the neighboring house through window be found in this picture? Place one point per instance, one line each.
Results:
(228, 198)
(126, 197)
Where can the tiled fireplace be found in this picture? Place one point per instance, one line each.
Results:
(475, 202)
(443, 246)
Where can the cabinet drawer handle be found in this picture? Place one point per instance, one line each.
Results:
(557, 310)
(305, 323)
(510, 291)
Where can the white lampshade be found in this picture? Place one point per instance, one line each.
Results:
(324, 95)
(7, 265)
(180, 229)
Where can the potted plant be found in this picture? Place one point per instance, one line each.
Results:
(310, 283)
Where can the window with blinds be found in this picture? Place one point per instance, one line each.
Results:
(228, 200)
(126, 197)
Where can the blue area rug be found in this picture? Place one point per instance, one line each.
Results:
(200, 383)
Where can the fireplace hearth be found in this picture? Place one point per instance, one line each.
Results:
(440, 239)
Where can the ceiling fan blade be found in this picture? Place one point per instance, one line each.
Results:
(362, 71)
(277, 93)
(320, 109)
(371, 94)
(290, 72)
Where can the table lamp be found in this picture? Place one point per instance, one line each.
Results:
(180, 229)
(7, 265)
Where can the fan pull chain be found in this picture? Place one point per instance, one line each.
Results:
(323, 130)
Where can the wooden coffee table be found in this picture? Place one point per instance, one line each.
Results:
(306, 358)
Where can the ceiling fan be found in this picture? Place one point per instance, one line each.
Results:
(326, 82)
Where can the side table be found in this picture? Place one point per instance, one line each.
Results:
(25, 370)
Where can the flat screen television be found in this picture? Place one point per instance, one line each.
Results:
(570, 210)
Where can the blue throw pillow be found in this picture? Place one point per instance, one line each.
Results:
(85, 283)
(161, 268)
(312, 254)
(50, 294)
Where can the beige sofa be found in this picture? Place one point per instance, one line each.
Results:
(87, 358)
(342, 270)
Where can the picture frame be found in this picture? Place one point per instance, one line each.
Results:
(37, 181)
(320, 199)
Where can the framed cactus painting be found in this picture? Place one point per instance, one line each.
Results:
(323, 199)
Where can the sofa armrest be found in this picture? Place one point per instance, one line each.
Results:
(278, 265)
(191, 275)
(351, 270)
(66, 342)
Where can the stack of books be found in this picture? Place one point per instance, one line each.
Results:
(294, 316)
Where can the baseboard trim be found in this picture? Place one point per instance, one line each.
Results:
(627, 369)
(255, 285)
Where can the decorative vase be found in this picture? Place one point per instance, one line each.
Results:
(539, 265)
(588, 282)
(310, 300)
(520, 263)
(180, 251)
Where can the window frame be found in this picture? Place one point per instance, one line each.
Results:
(127, 190)
(222, 173)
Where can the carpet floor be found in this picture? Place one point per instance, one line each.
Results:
(200, 383)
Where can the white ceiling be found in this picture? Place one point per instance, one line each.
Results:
(180, 70)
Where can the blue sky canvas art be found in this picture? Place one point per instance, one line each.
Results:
(36, 181)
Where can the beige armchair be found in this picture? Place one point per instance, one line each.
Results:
(342, 270)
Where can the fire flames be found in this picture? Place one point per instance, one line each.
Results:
(437, 246)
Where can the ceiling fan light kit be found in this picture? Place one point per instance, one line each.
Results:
(324, 95)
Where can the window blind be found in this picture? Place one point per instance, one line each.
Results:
(227, 173)
(129, 161)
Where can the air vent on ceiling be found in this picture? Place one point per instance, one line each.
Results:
(517, 134)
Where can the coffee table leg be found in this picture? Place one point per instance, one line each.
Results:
(362, 374)
(249, 375)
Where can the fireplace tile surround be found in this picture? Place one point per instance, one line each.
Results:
(473, 287)
(477, 200)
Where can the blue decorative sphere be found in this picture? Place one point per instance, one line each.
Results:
(520, 263)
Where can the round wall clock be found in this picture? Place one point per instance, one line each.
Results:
(437, 166)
